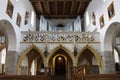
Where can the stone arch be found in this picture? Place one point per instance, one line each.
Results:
(27, 51)
(97, 56)
(110, 35)
(69, 60)
(63, 48)
(7, 29)
(108, 45)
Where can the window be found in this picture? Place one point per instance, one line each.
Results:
(101, 21)
(18, 21)
(32, 18)
(3, 56)
(93, 19)
(10, 8)
(111, 11)
(87, 19)
(117, 60)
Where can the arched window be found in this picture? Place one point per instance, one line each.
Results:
(117, 60)
(33, 68)
(87, 19)
(3, 56)
(116, 56)
(60, 25)
(32, 18)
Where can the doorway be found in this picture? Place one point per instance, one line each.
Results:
(60, 65)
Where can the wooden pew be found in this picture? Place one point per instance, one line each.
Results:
(23, 77)
(99, 77)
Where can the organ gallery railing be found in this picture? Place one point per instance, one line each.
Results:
(59, 36)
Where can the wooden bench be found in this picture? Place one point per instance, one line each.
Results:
(99, 77)
(23, 77)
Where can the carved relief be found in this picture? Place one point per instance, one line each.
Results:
(58, 37)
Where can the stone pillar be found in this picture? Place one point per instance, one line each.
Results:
(109, 62)
(11, 62)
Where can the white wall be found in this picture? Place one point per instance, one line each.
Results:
(99, 7)
(19, 7)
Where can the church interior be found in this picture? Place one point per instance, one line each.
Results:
(59, 40)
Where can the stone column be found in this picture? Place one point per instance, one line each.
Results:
(109, 62)
(11, 62)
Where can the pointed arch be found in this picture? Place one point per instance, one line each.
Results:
(63, 48)
(97, 56)
(25, 53)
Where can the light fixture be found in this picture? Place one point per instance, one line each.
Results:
(59, 58)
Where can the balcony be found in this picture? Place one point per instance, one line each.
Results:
(59, 37)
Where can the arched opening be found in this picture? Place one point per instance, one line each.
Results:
(60, 64)
(111, 46)
(7, 30)
(2, 60)
(117, 60)
(31, 63)
(7, 45)
(88, 63)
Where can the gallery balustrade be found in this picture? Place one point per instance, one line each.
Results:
(75, 37)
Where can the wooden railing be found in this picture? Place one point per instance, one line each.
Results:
(81, 74)
(23, 77)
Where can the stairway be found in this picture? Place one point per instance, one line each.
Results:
(59, 77)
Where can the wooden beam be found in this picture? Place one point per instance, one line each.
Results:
(48, 7)
(60, 16)
(56, 7)
(80, 4)
(60, 0)
(64, 8)
(41, 8)
(72, 7)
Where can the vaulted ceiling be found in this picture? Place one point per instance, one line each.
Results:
(60, 8)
